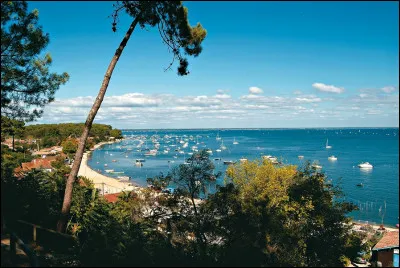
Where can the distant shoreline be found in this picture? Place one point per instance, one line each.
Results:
(260, 128)
(103, 182)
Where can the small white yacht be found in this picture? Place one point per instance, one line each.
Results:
(151, 153)
(316, 166)
(218, 150)
(234, 141)
(332, 158)
(271, 158)
(365, 165)
(242, 160)
(301, 156)
(109, 170)
(209, 151)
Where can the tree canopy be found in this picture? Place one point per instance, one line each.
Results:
(171, 19)
(27, 85)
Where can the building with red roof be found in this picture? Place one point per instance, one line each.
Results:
(112, 198)
(383, 251)
(40, 163)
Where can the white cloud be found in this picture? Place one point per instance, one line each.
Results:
(255, 90)
(297, 92)
(161, 110)
(328, 88)
(223, 96)
(388, 89)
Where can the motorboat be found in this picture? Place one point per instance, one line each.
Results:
(316, 166)
(242, 160)
(332, 158)
(271, 158)
(217, 159)
(365, 165)
(301, 156)
(151, 153)
(360, 185)
(109, 170)
(209, 151)
(218, 150)
(229, 162)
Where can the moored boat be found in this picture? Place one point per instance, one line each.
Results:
(332, 158)
(365, 165)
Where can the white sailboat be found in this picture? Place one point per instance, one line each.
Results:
(234, 141)
(327, 146)
(223, 147)
(218, 137)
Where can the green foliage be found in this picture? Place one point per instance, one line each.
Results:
(11, 160)
(26, 81)
(12, 127)
(263, 216)
(116, 133)
(70, 146)
(171, 19)
(54, 134)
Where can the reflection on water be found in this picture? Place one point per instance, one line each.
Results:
(366, 170)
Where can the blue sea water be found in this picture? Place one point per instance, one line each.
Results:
(380, 147)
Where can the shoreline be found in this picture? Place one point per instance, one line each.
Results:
(376, 227)
(113, 185)
(108, 185)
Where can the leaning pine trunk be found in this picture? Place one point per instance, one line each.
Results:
(88, 125)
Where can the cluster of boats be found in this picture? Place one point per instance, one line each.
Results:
(363, 165)
(187, 145)
(174, 145)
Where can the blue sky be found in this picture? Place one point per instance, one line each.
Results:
(264, 64)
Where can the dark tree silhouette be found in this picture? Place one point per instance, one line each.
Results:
(26, 83)
(171, 18)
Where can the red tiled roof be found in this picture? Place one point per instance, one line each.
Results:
(34, 164)
(37, 163)
(389, 240)
(112, 198)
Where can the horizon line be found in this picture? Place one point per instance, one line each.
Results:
(256, 128)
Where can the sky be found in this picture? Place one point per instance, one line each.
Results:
(263, 65)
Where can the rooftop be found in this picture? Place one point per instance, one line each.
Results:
(111, 198)
(389, 240)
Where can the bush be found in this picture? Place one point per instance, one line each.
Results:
(345, 261)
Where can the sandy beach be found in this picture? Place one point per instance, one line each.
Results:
(107, 184)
